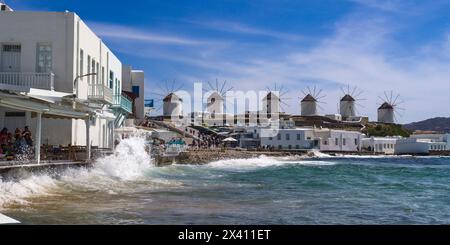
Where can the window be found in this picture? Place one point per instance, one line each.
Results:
(81, 63)
(279, 136)
(44, 57)
(98, 72)
(88, 68)
(356, 141)
(14, 114)
(297, 147)
(280, 147)
(298, 136)
(116, 87)
(336, 141)
(343, 141)
(103, 75)
(290, 147)
(325, 142)
(111, 79)
(135, 90)
(93, 71)
(287, 137)
(270, 138)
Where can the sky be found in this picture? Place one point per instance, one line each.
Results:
(394, 45)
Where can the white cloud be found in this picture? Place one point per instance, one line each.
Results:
(235, 27)
(129, 33)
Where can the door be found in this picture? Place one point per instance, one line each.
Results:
(11, 58)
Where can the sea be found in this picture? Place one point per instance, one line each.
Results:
(125, 188)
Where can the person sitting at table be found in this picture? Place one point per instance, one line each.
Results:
(20, 145)
(27, 136)
(4, 136)
(17, 133)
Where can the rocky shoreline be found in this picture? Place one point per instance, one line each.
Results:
(204, 156)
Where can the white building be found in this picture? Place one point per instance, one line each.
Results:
(291, 138)
(133, 85)
(434, 138)
(339, 140)
(56, 52)
(423, 144)
(384, 145)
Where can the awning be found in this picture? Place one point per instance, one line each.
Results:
(39, 105)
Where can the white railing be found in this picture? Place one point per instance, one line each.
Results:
(101, 93)
(26, 80)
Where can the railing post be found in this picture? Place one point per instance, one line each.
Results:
(38, 138)
(52, 77)
(88, 140)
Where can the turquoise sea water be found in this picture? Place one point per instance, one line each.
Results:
(327, 190)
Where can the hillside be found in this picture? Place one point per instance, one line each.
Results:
(383, 130)
(434, 124)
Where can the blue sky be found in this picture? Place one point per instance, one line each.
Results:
(396, 45)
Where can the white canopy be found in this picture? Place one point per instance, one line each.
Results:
(229, 139)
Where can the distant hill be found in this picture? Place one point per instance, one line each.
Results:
(441, 124)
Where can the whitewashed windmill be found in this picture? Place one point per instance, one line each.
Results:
(172, 104)
(348, 102)
(271, 103)
(215, 100)
(388, 109)
(309, 103)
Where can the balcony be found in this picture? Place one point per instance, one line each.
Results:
(123, 102)
(23, 81)
(100, 93)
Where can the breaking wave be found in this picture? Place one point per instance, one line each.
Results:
(109, 174)
(264, 162)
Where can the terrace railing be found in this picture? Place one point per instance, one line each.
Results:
(123, 102)
(23, 81)
(100, 93)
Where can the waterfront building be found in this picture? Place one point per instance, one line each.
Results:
(423, 144)
(385, 145)
(57, 70)
(436, 137)
(133, 86)
(339, 140)
(289, 138)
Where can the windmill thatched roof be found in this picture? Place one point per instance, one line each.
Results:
(309, 97)
(171, 97)
(386, 105)
(347, 97)
(216, 95)
(270, 96)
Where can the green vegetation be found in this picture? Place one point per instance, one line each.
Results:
(386, 130)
